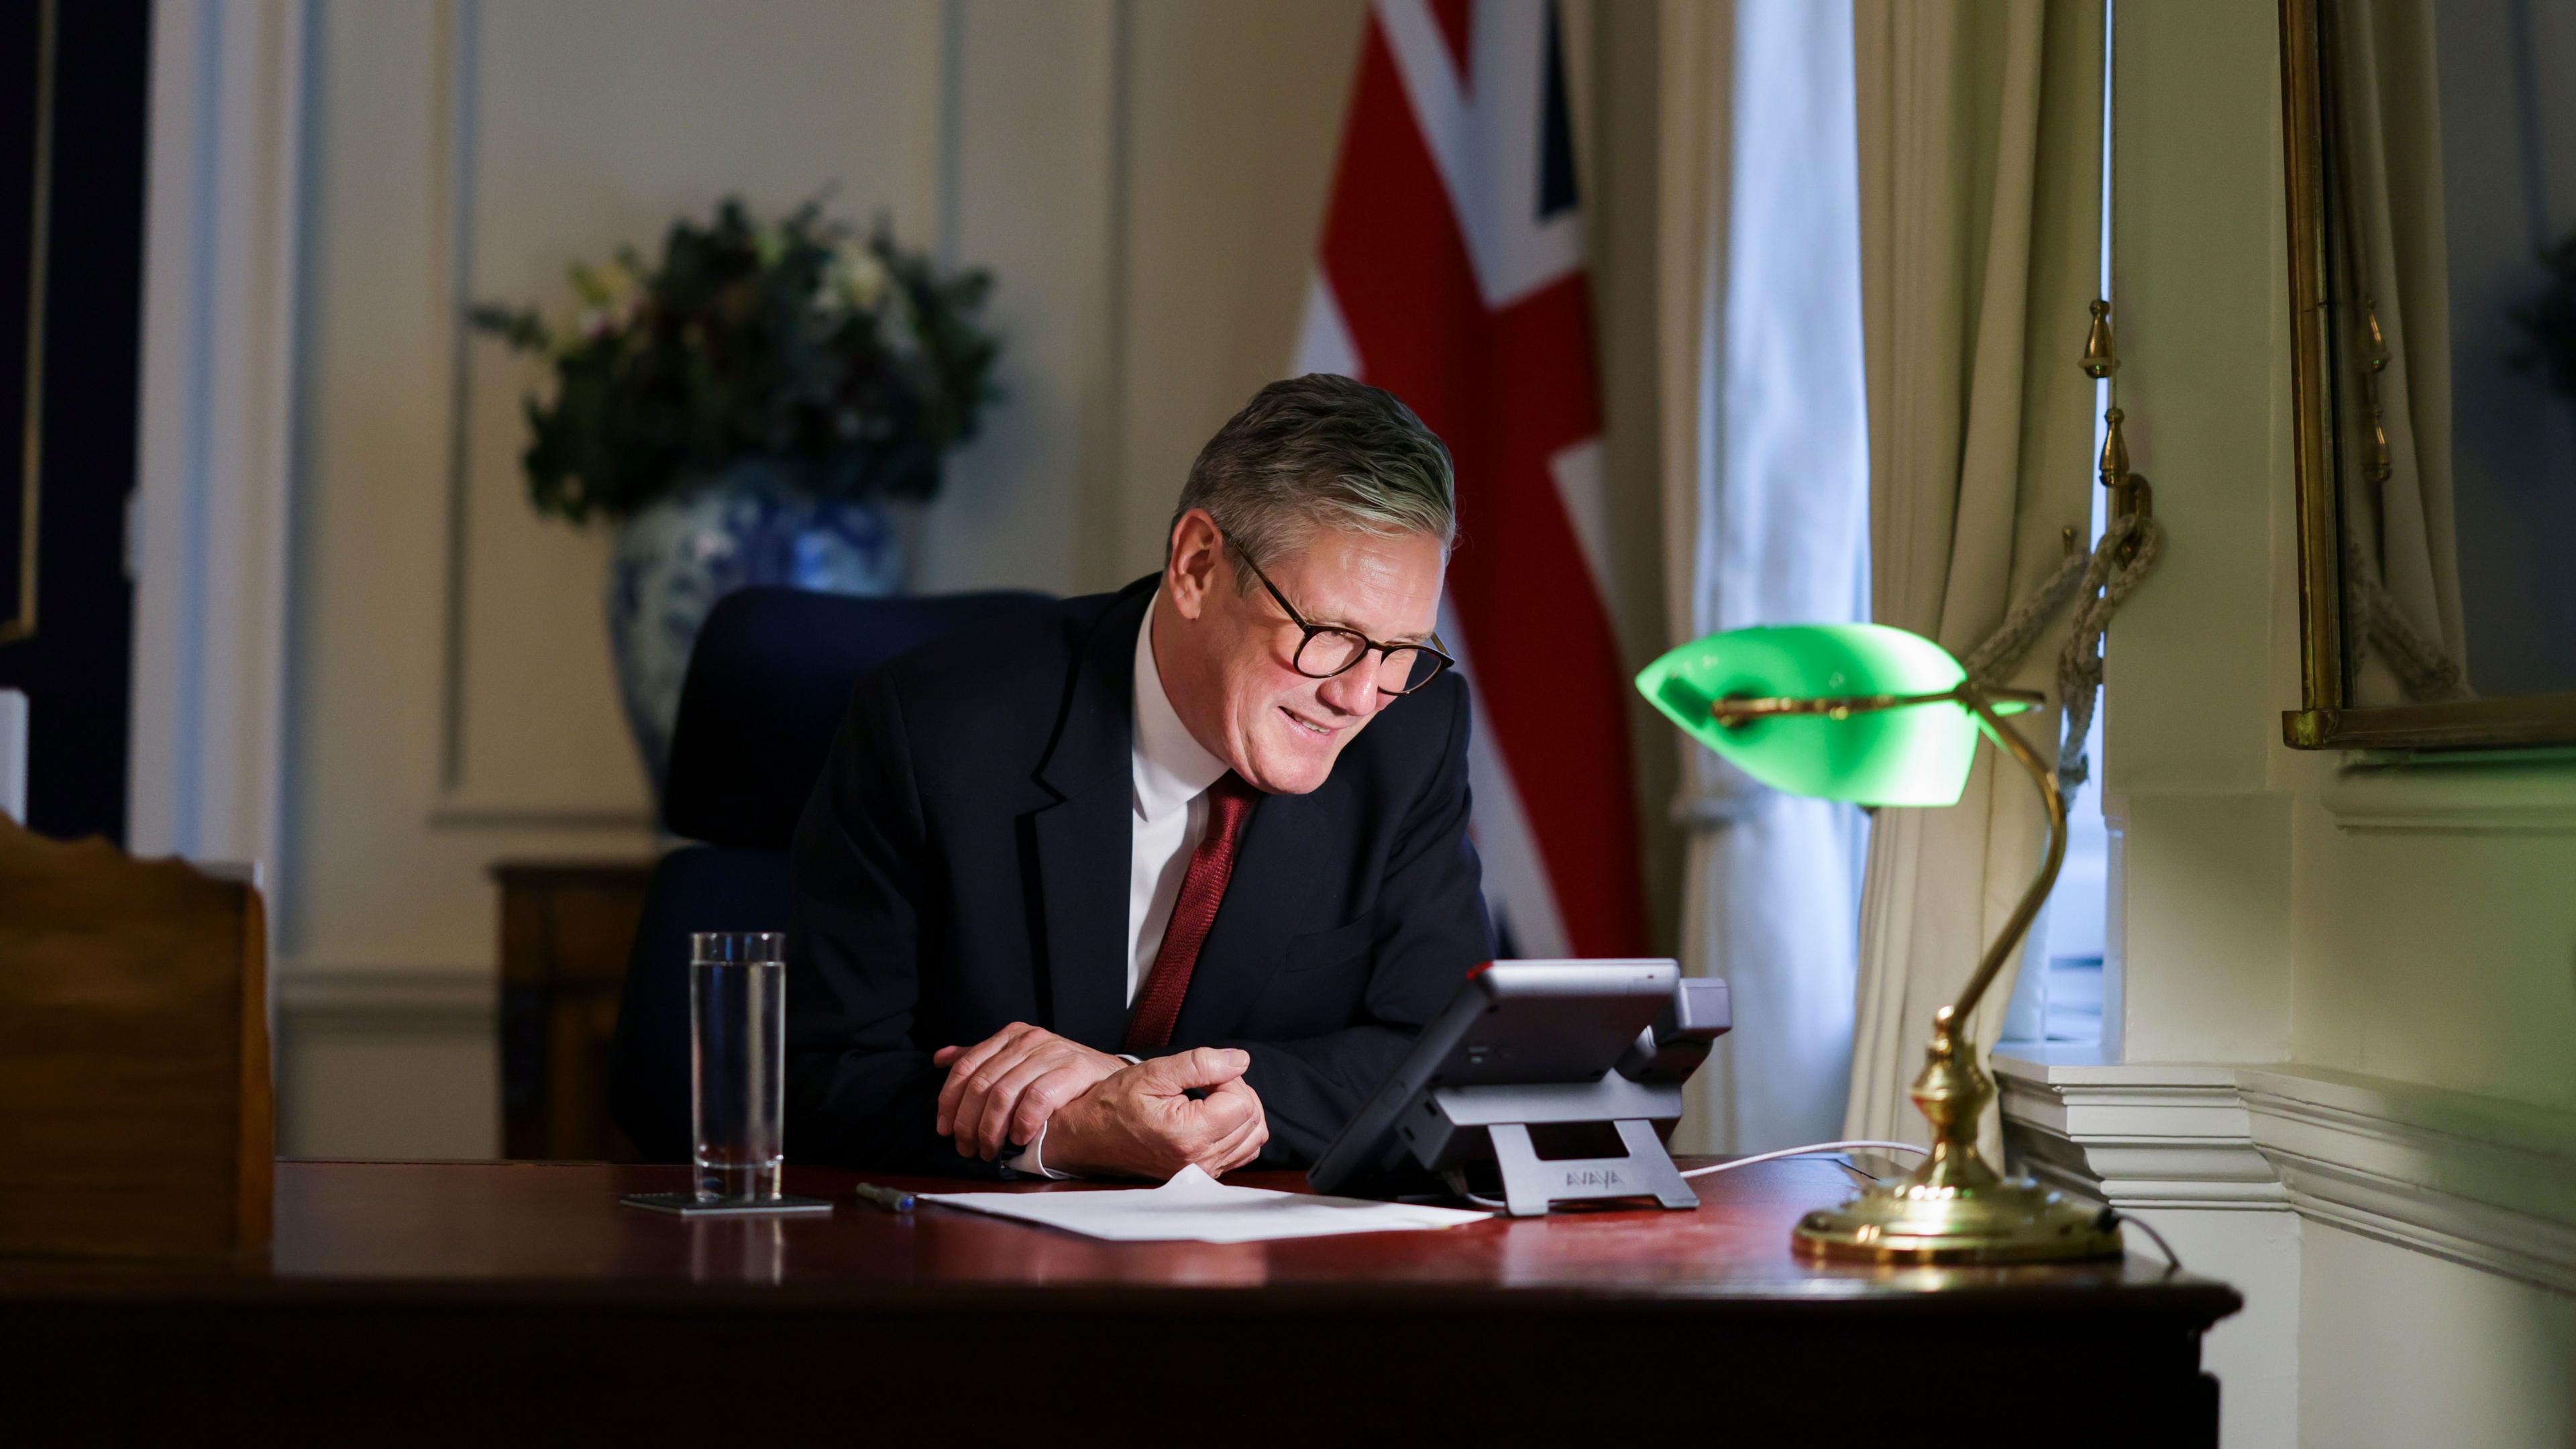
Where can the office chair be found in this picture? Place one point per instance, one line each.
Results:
(768, 681)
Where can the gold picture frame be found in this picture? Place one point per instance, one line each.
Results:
(2328, 720)
(20, 623)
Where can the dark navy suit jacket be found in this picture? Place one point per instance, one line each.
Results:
(963, 864)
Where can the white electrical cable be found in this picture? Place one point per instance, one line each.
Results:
(1458, 1180)
(1853, 1145)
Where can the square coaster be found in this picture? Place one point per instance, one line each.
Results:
(690, 1205)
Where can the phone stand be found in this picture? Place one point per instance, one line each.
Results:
(1540, 1056)
(1449, 1129)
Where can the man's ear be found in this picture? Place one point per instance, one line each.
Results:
(1191, 574)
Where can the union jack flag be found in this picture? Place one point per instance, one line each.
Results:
(1451, 274)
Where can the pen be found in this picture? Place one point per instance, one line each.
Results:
(892, 1199)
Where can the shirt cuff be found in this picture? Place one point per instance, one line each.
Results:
(1032, 1161)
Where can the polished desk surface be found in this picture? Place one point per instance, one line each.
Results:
(554, 1227)
(393, 1278)
(528, 1221)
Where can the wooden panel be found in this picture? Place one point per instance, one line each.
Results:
(135, 1116)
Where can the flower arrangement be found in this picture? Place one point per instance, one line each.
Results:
(2549, 321)
(854, 362)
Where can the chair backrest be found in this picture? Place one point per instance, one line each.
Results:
(694, 888)
(135, 1105)
(768, 682)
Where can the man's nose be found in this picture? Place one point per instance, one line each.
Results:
(1354, 691)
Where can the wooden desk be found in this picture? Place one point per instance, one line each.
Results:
(517, 1300)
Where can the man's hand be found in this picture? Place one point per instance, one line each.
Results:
(1005, 1087)
(1142, 1122)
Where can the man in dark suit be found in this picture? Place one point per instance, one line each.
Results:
(1168, 876)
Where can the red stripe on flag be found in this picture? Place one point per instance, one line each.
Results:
(1507, 390)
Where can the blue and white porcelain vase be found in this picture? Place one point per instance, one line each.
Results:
(746, 526)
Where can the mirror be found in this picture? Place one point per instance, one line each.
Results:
(2431, 167)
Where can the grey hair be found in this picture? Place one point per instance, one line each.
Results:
(1320, 451)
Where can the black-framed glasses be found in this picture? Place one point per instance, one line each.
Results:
(1329, 649)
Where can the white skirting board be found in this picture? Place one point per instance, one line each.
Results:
(2264, 1175)
(387, 1061)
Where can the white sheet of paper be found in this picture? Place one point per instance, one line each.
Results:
(1197, 1207)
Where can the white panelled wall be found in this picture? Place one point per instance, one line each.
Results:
(2340, 1071)
(1143, 180)
(397, 674)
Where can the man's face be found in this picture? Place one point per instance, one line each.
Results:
(1277, 728)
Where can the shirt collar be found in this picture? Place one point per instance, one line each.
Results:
(1172, 769)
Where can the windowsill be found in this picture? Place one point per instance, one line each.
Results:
(2053, 1055)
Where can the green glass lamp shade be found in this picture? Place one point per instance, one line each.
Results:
(1911, 755)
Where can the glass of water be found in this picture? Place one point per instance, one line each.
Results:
(737, 1061)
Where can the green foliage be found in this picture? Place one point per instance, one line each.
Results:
(2550, 321)
(858, 363)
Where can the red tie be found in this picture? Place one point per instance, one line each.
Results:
(1149, 1028)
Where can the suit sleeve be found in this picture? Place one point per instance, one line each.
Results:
(861, 1090)
(1432, 904)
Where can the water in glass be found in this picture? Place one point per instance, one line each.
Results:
(737, 1062)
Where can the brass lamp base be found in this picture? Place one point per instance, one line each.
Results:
(2013, 1221)
(1953, 1208)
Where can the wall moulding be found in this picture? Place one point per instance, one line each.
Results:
(530, 161)
(468, 809)
(2178, 1139)
(2439, 795)
(388, 1060)
(407, 999)
(2485, 1183)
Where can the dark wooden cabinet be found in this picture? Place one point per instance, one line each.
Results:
(566, 930)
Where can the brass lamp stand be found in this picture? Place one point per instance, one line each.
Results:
(1954, 1208)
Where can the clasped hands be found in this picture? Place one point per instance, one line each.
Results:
(1103, 1115)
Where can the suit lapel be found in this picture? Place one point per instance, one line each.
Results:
(1270, 897)
(1084, 839)
(1082, 870)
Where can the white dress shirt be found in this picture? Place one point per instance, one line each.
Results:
(1172, 773)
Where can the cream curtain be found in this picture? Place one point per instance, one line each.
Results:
(2402, 574)
(1695, 90)
(1766, 478)
(1980, 218)
(1695, 94)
